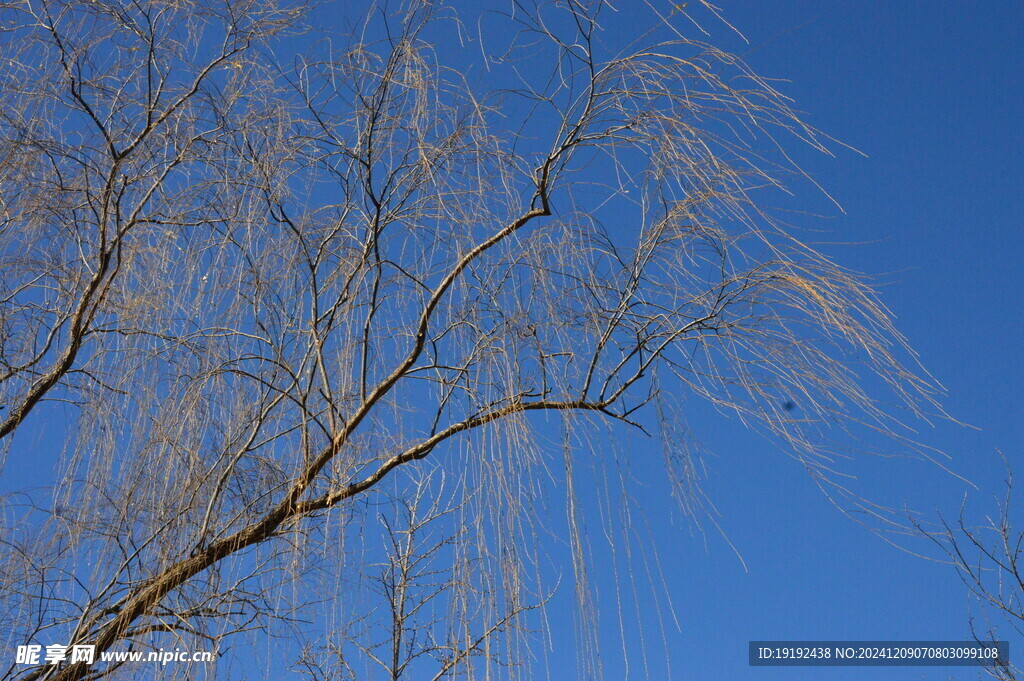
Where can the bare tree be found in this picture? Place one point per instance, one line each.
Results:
(427, 616)
(990, 560)
(252, 272)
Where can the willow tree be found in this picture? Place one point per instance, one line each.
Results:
(262, 275)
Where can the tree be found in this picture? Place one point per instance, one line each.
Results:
(988, 558)
(403, 623)
(257, 276)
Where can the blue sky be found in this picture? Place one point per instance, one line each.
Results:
(931, 93)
